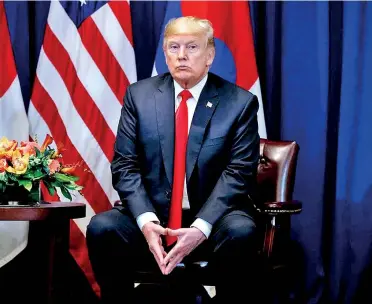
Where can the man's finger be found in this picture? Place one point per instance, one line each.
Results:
(171, 254)
(176, 232)
(159, 258)
(155, 249)
(160, 230)
(161, 266)
(173, 263)
(163, 252)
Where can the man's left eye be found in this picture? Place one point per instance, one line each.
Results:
(192, 48)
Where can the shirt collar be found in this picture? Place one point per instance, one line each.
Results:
(195, 90)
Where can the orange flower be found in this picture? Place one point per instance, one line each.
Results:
(3, 165)
(54, 166)
(28, 147)
(7, 147)
(47, 141)
(68, 170)
(19, 163)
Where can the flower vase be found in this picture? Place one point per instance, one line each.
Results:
(20, 196)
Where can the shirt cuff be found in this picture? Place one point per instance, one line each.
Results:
(203, 226)
(146, 217)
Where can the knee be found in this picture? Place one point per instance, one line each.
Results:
(241, 232)
(99, 226)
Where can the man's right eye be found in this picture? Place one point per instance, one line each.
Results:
(173, 48)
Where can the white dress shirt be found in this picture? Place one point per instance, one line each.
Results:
(195, 91)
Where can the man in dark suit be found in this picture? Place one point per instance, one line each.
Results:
(185, 167)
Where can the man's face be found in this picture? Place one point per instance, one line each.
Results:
(188, 58)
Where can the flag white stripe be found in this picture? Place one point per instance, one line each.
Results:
(13, 118)
(77, 131)
(154, 71)
(13, 125)
(38, 127)
(117, 41)
(86, 69)
(256, 90)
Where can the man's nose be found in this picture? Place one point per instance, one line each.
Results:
(182, 53)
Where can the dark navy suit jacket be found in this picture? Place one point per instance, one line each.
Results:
(222, 149)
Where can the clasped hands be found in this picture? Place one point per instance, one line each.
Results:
(187, 240)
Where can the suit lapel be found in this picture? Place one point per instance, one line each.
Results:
(164, 102)
(205, 108)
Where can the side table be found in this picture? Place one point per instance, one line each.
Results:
(48, 245)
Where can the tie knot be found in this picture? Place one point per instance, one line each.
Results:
(185, 95)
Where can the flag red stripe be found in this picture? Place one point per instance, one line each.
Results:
(7, 65)
(103, 57)
(82, 101)
(121, 10)
(92, 190)
(78, 250)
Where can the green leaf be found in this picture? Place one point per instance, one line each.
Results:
(34, 174)
(3, 177)
(50, 187)
(51, 190)
(38, 174)
(48, 152)
(73, 186)
(56, 184)
(38, 153)
(66, 193)
(66, 178)
(25, 183)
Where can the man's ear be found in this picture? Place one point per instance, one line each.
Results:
(211, 54)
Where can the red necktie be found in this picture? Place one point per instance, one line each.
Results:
(175, 212)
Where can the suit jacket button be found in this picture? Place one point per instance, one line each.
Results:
(168, 195)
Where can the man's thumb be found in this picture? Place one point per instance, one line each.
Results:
(159, 229)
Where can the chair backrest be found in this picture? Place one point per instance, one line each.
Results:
(277, 170)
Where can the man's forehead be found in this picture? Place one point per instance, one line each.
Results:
(185, 38)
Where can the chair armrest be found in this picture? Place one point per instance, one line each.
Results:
(281, 208)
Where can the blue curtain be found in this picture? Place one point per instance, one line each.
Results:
(315, 63)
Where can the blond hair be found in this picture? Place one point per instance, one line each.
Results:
(189, 25)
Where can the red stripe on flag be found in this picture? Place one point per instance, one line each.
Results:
(232, 24)
(79, 251)
(7, 65)
(103, 57)
(92, 190)
(121, 10)
(82, 101)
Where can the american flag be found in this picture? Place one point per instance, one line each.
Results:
(85, 64)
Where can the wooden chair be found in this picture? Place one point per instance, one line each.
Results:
(276, 178)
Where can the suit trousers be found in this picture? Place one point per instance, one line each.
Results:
(117, 248)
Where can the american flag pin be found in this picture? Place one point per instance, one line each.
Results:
(209, 104)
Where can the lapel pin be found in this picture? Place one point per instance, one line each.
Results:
(209, 104)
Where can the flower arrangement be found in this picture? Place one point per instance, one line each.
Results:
(25, 165)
